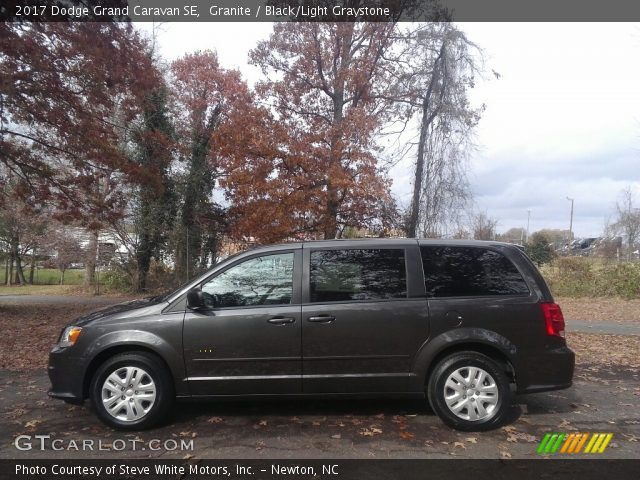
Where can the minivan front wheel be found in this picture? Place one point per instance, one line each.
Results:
(132, 391)
(469, 391)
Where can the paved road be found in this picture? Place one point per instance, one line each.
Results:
(63, 299)
(603, 327)
(607, 401)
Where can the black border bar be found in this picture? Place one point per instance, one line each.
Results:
(320, 10)
(263, 469)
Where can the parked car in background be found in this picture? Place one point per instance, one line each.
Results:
(462, 324)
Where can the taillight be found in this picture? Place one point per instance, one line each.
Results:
(553, 319)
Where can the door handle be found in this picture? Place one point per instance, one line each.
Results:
(281, 320)
(321, 319)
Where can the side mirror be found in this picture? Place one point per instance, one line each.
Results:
(195, 299)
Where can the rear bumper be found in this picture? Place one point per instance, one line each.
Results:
(66, 374)
(550, 370)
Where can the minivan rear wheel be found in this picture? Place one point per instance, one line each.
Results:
(132, 391)
(469, 391)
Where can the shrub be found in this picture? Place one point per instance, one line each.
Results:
(116, 280)
(539, 249)
(582, 277)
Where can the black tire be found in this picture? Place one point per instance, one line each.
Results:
(436, 391)
(156, 370)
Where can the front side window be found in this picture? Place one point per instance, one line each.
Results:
(469, 271)
(367, 274)
(266, 280)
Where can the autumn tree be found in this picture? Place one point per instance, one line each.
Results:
(68, 93)
(154, 196)
(209, 106)
(513, 235)
(59, 85)
(320, 172)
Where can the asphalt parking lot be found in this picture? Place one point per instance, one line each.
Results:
(318, 429)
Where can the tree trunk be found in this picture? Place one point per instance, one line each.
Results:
(143, 261)
(412, 227)
(90, 260)
(33, 265)
(19, 272)
(9, 278)
(331, 219)
(427, 118)
(62, 276)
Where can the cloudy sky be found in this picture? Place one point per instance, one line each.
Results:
(562, 121)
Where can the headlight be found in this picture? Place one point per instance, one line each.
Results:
(69, 336)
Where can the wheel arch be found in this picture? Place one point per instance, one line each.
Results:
(486, 342)
(161, 351)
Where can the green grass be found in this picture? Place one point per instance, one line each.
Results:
(50, 276)
(41, 290)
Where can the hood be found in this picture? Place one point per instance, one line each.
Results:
(118, 310)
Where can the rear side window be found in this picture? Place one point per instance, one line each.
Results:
(469, 271)
(367, 274)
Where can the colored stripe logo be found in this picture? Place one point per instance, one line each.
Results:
(572, 443)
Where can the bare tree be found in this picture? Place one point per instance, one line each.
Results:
(483, 226)
(21, 228)
(65, 246)
(437, 66)
(628, 219)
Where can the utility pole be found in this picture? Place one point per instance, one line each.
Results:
(528, 218)
(571, 221)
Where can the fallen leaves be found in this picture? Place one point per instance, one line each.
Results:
(371, 431)
(31, 352)
(32, 423)
(15, 413)
(215, 420)
(597, 354)
(601, 309)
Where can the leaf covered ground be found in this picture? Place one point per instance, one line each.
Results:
(30, 330)
(601, 309)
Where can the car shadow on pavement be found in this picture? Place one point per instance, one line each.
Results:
(300, 407)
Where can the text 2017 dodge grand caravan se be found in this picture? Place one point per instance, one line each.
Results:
(461, 323)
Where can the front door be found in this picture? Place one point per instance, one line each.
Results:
(360, 324)
(248, 341)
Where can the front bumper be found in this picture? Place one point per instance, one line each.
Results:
(66, 373)
(550, 370)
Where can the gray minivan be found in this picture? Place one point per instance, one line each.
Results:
(464, 324)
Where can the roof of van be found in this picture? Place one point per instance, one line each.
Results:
(387, 241)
